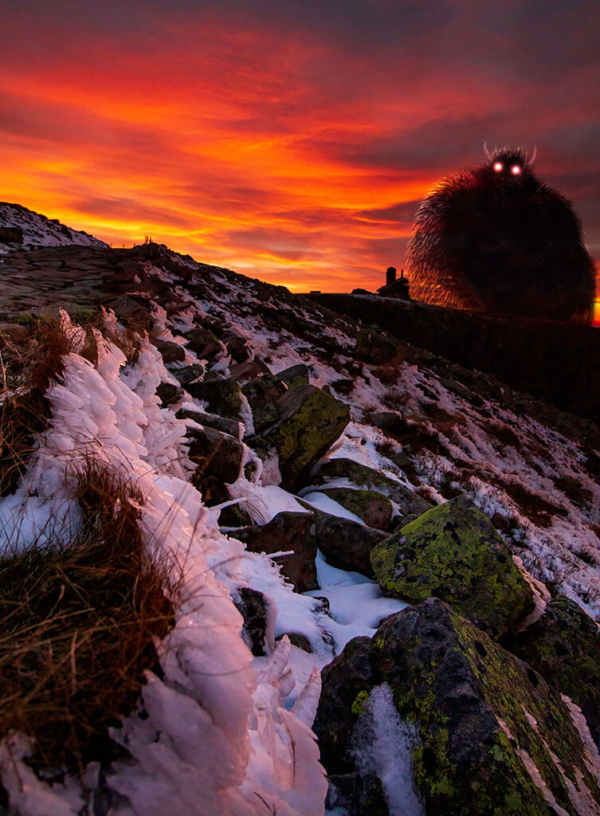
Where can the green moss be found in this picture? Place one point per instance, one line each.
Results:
(359, 702)
(453, 552)
(516, 697)
(308, 432)
(564, 647)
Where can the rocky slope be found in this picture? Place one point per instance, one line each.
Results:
(322, 482)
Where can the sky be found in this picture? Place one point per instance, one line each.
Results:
(290, 140)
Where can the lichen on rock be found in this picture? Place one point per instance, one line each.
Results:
(454, 553)
(493, 738)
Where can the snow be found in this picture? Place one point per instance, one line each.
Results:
(356, 602)
(321, 501)
(383, 744)
(210, 724)
(40, 231)
(223, 732)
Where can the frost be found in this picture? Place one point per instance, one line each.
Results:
(382, 745)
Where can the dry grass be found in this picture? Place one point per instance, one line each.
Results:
(78, 622)
(27, 370)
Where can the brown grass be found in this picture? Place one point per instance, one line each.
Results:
(78, 619)
(27, 370)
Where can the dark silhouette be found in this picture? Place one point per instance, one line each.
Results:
(395, 287)
(496, 238)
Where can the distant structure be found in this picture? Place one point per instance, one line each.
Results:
(395, 287)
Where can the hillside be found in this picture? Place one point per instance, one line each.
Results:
(353, 535)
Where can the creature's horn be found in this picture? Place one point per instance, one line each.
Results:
(533, 155)
(488, 155)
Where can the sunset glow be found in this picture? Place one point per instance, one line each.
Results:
(286, 143)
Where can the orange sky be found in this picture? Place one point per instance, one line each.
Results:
(289, 147)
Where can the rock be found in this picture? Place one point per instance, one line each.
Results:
(295, 375)
(169, 394)
(254, 608)
(288, 531)
(347, 544)
(11, 235)
(134, 310)
(453, 552)
(374, 347)
(203, 343)
(234, 516)
(243, 372)
(189, 373)
(362, 476)
(14, 333)
(481, 718)
(223, 396)
(309, 422)
(215, 454)
(564, 647)
(357, 794)
(237, 347)
(171, 352)
(298, 640)
(262, 394)
(345, 385)
(369, 505)
(229, 426)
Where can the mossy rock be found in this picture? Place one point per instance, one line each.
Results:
(374, 347)
(453, 552)
(310, 421)
(223, 396)
(262, 394)
(564, 647)
(295, 375)
(368, 478)
(485, 721)
(369, 505)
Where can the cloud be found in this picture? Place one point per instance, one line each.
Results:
(291, 140)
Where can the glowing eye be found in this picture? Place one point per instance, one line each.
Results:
(515, 169)
(498, 166)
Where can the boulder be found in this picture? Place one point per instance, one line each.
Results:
(369, 505)
(262, 394)
(133, 310)
(309, 422)
(453, 552)
(14, 333)
(223, 396)
(229, 426)
(215, 454)
(237, 347)
(243, 372)
(171, 352)
(169, 394)
(254, 608)
(11, 235)
(347, 544)
(203, 343)
(374, 347)
(288, 531)
(564, 647)
(295, 375)
(482, 733)
(234, 516)
(368, 478)
(188, 374)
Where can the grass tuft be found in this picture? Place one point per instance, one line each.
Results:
(79, 618)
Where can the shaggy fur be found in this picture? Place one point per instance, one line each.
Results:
(500, 240)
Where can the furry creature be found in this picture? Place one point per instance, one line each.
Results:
(496, 238)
